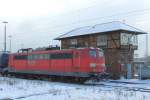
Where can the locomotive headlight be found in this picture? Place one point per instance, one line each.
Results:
(92, 65)
(103, 65)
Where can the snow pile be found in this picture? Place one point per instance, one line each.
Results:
(21, 89)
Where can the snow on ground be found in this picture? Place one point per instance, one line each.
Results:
(21, 89)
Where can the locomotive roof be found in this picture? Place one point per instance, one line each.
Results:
(101, 28)
(53, 51)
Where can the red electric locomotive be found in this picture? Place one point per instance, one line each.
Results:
(84, 63)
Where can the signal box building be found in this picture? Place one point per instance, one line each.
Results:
(117, 39)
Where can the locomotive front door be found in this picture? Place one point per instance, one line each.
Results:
(76, 61)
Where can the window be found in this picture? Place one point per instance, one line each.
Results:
(127, 39)
(50, 56)
(30, 57)
(102, 40)
(38, 57)
(35, 57)
(45, 56)
(20, 57)
(61, 56)
(101, 53)
(92, 53)
(73, 41)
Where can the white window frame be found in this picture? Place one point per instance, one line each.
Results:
(102, 40)
(73, 41)
(128, 39)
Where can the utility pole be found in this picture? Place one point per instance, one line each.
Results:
(10, 37)
(5, 44)
(146, 45)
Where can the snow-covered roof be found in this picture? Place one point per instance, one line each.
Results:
(101, 28)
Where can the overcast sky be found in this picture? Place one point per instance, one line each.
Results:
(34, 23)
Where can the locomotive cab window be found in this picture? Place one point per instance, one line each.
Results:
(92, 53)
(101, 53)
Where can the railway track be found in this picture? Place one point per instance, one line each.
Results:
(107, 84)
(121, 85)
(26, 96)
(124, 86)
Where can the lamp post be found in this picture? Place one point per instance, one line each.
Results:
(10, 37)
(5, 45)
(146, 45)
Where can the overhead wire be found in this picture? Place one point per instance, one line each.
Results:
(125, 14)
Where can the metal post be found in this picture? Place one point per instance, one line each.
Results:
(10, 42)
(140, 72)
(129, 71)
(5, 44)
(146, 45)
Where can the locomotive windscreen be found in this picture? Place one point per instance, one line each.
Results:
(101, 53)
(92, 53)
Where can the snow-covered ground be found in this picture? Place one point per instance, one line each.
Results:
(21, 89)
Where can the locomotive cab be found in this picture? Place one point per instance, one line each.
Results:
(90, 61)
(96, 61)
